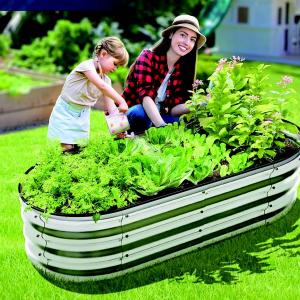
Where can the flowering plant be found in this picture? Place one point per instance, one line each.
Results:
(241, 109)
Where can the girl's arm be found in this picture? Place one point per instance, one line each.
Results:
(107, 90)
(110, 105)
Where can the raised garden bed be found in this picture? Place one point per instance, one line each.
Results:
(78, 248)
(232, 166)
(29, 108)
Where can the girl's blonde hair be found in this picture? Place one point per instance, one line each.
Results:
(114, 47)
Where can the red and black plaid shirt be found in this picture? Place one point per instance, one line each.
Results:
(147, 74)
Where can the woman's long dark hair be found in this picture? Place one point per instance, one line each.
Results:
(188, 62)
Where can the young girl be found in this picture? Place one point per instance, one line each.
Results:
(70, 119)
(160, 79)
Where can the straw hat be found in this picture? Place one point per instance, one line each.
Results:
(189, 22)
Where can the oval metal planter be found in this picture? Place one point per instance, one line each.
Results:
(77, 248)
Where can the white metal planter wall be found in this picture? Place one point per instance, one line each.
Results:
(77, 248)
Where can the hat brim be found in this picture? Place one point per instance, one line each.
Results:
(201, 38)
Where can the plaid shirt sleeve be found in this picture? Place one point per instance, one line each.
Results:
(140, 82)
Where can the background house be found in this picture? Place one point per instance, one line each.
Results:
(269, 28)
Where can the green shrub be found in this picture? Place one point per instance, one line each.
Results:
(119, 75)
(58, 52)
(5, 42)
(241, 110)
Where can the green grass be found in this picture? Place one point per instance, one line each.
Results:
(260, 264)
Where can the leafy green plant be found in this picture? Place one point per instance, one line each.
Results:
(237, 109)
(106, 28)
(5, 42)
(92, 181)
(109, 174)
(152, 32)
(17, 84)
(119, 75)
(58, 52)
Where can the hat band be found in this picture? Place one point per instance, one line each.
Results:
(185, 22)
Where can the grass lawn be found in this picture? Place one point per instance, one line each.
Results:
(260, 264)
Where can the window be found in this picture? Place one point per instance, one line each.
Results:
(243, 14)
(279, 16)
(287, 12)
(286, 35)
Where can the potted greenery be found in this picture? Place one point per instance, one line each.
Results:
(119, 205)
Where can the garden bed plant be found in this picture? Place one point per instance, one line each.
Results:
(234, 125)
(26, 97)
(15, 84)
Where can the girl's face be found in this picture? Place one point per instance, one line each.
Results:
(183, 41)
(108, 63)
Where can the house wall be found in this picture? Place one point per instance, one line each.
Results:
(297, 8)
(294, 29)
(261, 35)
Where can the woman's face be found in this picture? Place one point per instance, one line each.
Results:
(183, 41)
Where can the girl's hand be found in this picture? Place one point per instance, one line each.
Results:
(123, 107)
(124, 135)
(113, 112)
(121, 135)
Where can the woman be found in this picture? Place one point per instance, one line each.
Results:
(160, 79)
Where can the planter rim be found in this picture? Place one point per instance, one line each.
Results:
(33, 73)
(34, 88)
(199, 187)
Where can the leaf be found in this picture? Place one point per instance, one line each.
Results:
(206, 121)
(223, 170)
(210, 140)
(290, 127)
(241, 84)
(271, 153)
(260, 153)
(280, 144)
(96, 217)
(223, 132)
(265, 108)
(225, 106)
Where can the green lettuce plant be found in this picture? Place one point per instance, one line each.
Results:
(110, 174)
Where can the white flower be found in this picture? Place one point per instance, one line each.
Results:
(285, 80)
(197, 83)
